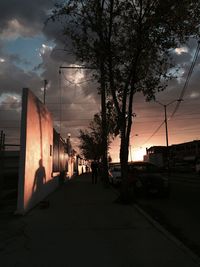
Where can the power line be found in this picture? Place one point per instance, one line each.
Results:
(179, 119)
(154, 133)
(76, 83)
(177, 115)
(78, 67)
(60, 100)
(68, 120)
(187, 79)
(182, 92)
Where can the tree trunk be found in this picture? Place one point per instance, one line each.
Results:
(126, 193)
(104, 127)
(123, 160)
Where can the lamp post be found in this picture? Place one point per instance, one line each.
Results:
(166, 125)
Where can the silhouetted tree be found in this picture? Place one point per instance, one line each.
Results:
(128, 43)
(91, 138)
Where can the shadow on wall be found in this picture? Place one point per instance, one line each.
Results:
(40, 178)
(40, 187)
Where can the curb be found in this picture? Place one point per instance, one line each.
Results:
(166, 233)
(169, 236)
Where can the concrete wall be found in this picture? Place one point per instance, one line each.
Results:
(36, 156)
(70, 166)
(81, 165)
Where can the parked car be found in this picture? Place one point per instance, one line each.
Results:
(146, 178)
(115, 173)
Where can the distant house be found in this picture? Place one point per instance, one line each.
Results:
(188, 151)
(181, 156)
(156, 155)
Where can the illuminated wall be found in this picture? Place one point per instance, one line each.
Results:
(81, 165)
(70, 166)
(60, 155)
(36, 155)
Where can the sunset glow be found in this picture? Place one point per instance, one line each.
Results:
(138, 154)
(32, 53)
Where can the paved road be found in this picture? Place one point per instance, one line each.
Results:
(84, 226)
(180, 212)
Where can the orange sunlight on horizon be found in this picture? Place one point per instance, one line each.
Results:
(137, 154)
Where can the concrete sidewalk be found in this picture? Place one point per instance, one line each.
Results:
(83, 226)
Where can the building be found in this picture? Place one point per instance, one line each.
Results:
(181, 156)
(156, 155)
(188, 151)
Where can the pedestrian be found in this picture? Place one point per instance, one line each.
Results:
(94, 167)
(87, 168)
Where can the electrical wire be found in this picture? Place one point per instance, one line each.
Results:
(68, 120)
(60, 100)
(72, 103)
(182, 92)
(187, 80)
(154, 133)
(76, 83)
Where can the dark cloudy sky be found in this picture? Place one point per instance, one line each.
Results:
(31, 52)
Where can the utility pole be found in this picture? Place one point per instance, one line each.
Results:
(165, 112)
(166, 125)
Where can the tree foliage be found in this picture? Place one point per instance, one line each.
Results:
(91, 138)
(90, 148)
(129, 44)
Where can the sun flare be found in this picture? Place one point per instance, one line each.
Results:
(138, 154)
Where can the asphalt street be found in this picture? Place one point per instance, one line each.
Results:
(180, 212)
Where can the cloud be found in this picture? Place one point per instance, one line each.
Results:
(45, 49)
(10, 114)
(13, 78)
(12, 101)
(180, 50)
(194, 95)
(72, 95)
(15, 29)
(22, 17)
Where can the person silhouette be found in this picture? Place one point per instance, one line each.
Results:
(94, 167)
(40, 177)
